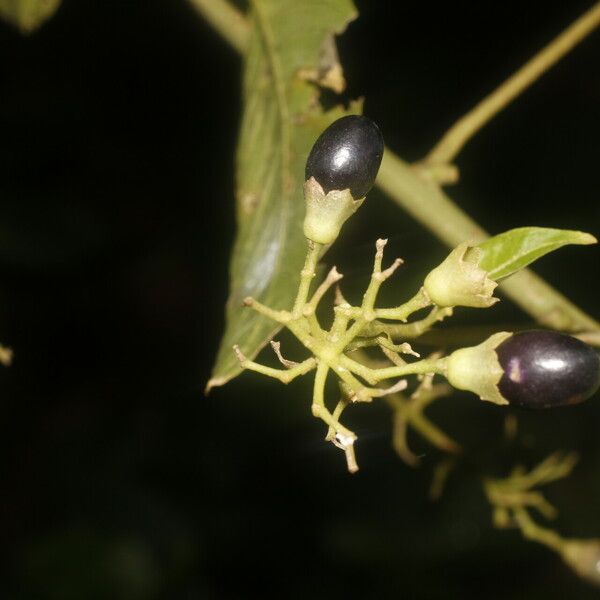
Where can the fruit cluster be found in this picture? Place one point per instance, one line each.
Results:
(531, 369)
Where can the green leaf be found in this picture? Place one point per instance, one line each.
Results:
(291, 54)
(508, 252)
(27, 15)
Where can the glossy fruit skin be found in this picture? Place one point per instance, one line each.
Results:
(545, 369)
(347, 155)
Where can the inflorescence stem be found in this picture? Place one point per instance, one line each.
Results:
(352, 328)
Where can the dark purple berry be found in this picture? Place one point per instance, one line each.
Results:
(544, 369)
(347, 155)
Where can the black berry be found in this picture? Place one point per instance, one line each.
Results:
(544, 369)
(347, 155)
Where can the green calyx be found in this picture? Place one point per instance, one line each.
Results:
(326, 213)
(583, 556)
(477, 369)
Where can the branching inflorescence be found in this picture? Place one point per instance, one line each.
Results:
(340, 171)
(353, 327)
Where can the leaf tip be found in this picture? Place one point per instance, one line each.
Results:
(588, 238)
(214, 382)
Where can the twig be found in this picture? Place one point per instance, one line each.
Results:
(227, 20)
(467, 126)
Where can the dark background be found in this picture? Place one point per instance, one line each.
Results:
(119, 478)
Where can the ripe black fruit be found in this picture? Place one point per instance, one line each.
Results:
(347, 155)
(544, 369)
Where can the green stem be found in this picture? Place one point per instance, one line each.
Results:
(532, 531)
(432, 433)
(426, 202)
(401, 313)
(546, 304)
(318, 407)
(227, 20)
(306, 276)
(346, 376)
(415, 368)
(361, 370)
(409, 331)
(284, 375)
(466, 127)
(404, 331)
(279, 316)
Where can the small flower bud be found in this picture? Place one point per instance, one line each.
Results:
(340, 171)
(459, 281)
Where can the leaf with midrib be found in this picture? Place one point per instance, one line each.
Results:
(508, 252)
(290, 50)
(28, 15)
